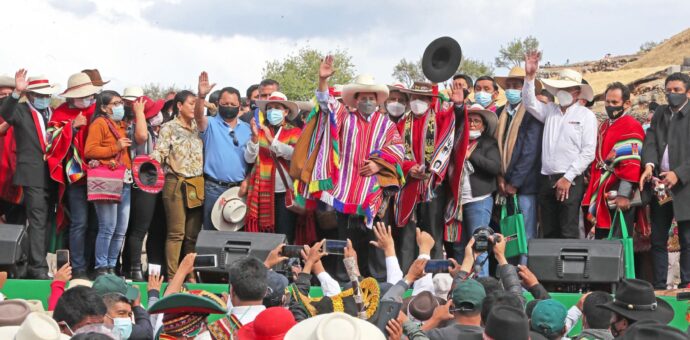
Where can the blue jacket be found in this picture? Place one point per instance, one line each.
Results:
(525, 164)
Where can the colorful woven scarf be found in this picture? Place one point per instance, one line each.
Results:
(261, 196)
(429, 137)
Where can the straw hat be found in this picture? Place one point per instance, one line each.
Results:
(364, 83)
(229, 211)
(95, 77)
(334, 326)
(568, 78)
(37, 326)
(13, 312)
(420, 88)
(490, 118)
(6, 81)
(519, 73)
(280, 98)
(79, 85)
(132, 93)
(41, 85)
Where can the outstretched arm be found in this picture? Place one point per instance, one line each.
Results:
(204, 89)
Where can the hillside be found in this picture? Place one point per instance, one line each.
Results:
(670, 52)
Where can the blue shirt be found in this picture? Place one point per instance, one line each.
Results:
(223, 160)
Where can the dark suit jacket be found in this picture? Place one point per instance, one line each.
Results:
(674, 132)
(32, 170)
(486, 161)
(525, 163)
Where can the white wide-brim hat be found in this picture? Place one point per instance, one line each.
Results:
(229, 211)
(364, 83)
(280, 98)
(490, 118)
(131, 93)
(335, 325)
(568, 78)
(36, 326)
(79, 85)
(41, 85)
(6, 81)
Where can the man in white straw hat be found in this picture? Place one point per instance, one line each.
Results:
(69, 125)
(568, 146)
(6, 85)
(30, 120)
(357, 158)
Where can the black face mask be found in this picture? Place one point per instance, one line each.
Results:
(252, 105)
(675, 100)
(228, 112)
(129, 112)
(614, 111)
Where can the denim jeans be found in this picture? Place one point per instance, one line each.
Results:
(113, 219)
(211, 191)
(79, 218)
(474, 215)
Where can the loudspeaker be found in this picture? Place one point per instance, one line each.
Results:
(11, 236)
(229, 246)
(575, 261)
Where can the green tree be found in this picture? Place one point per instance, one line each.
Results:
(514, 53)
(157, 91)
(475, 68)
(298, 73)
(408, 72)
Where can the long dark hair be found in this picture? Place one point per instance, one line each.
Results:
(103, 99)
(180, 97)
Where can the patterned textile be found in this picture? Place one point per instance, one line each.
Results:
(619, 147)
(453, 216)
(179, 149)
(225, 328)
(260, 198)
(344, 141)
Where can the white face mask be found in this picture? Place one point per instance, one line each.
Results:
(474, 134)
(418, 106)
(564, 98)
(156, 120)
(395, 109)
(82, 103)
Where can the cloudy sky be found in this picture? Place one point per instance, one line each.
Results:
(170, 41)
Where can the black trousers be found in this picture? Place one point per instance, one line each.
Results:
(285, 219)
(37, 204)
(158, 231)
(628, 216)
(430, 218)
(560, 219)
(143, 207)
(662, 216)
(371, 260)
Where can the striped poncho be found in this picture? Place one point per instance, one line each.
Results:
(332, 149)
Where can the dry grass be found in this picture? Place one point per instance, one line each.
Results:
(599, 80)
(670, 52)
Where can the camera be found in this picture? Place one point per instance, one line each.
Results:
(484, 239)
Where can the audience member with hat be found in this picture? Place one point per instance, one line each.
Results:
(652, 330)
(506, 323)
(635, 301)
(185, 314)
(548, 319)
(13, 312)
(179, 150)
(144, 195)
(6, 85)
(69, 126)
(36, 326)
(271, 324)
(335, 325)
(467, 297)
(30, 121)
(398, 102)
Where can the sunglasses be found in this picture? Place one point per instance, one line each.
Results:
(234, 138)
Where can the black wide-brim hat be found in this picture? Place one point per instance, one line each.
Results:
(441, 59)
(635, 300)
(148, 174)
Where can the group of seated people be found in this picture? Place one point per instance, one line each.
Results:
(262, 303)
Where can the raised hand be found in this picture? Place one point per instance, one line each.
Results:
(326, 69)
(155, 282)
(425, 242)
(532, 63)
(457, 94)
(138, 106)
(384, 239)
(63, 274)
(274, 257)
(20, 82)
(204, 86)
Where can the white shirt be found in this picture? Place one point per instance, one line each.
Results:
(246, 314)
(570, 138)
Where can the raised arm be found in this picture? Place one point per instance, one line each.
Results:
(204, 89)
(20, 84)
(529, 97)
(141, 133)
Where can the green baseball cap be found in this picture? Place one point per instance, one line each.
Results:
(548, 317)
(468, 296)
(109, 283)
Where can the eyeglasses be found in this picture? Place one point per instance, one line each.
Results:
(234, 138)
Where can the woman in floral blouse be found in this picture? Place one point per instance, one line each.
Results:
(180, 151)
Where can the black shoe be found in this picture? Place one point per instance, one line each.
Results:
(111, 271)
(135, 274)
(80, 274)
(100, 271)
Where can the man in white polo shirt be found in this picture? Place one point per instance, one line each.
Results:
(568, 146)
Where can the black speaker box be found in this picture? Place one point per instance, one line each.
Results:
(11, 236)
(229, 246)
(576, 261)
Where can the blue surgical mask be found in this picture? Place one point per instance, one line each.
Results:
(275, 116)
(118, 113)
(122, 327)
(41, 103)
(514, 96)
(483, 98)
